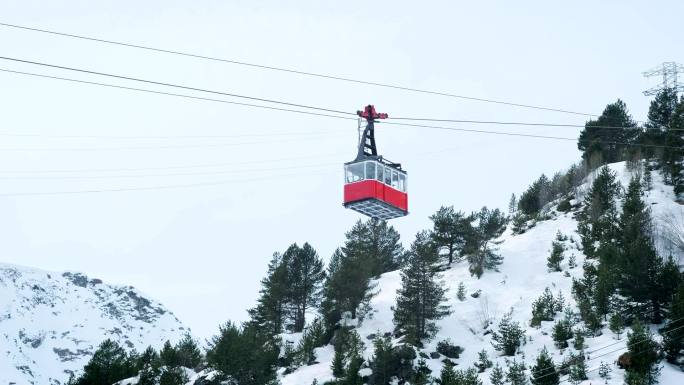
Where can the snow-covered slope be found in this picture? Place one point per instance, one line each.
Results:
(51, 323)
(522, 278)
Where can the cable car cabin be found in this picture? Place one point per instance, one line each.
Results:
(375, 188)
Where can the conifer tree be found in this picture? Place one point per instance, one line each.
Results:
(376, 244)
(639, 265)
(509, 335)
(578, 370)
(188, 353)
(270, 312)
(578, 341)
(422, 374)
(562, 332)
(616, 324)
(597, 220)
(169, 355)
(601, 137)
(420, 300)
(673, 335)
(448, 375)
(643, 353)
(554, 260)
(516, 373)
(382, 364)
(483, 362)
(108, 365)
(461, 293)
(482, 255)
(604, 371)
(173, 376)
(305, 277)
(497, 377)
(246, 354)
(450, 229)
(544, 371)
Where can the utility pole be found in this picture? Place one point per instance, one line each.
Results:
(669, 71)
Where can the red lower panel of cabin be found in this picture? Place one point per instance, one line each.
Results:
(375, 199)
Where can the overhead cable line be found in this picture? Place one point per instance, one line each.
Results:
(162, 187)
(295, 71)
(339, 117)
(176, 86)
(160, 147)
(533, 124)
(173, 94)
(204, 165)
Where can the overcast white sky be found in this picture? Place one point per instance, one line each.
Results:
(202, 250)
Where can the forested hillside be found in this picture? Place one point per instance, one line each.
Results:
(578, 281)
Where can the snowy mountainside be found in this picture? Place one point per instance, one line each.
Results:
(522, 278)
(51, 323)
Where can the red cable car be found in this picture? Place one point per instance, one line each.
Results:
(373, 185)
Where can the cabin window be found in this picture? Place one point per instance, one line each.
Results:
(354, 172)
(402, 182)
(370, 170)
(395, 180)
(380, 173)
(388, 176)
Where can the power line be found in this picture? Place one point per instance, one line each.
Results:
(224, 172)
(172, 94)
(145, 137)
(148, 188)
(162, 147)
(205, 165)
(177, 86)
(533, 124)
(523, 135)
(295, 71)
(340, 117)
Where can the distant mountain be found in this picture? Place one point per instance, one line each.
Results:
(51, 323)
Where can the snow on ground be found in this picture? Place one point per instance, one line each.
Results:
(51, 323)
(522, 278)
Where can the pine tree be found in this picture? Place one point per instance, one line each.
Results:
(643, 353)
(421, 297)
(313, 337)
(554, 260)
(370, 249)
(578, 370)
(638, 262)
(578, 341)
(616, 324)
(422, 375)
(601, 140)
(270, 312)
(188, 353)
(382, 364)
(448, 375)
(108, 365)
(173, 376)
(674, 331)
(562, 332)
(604, 371)
(246, 354)
(597, 220)
(450, 230)
(497, 377)
(660, 119)
(512, 205)
(461, 293)
(483, 362)
(544, 371)
(479, 246)
(516, 373)
(509, 335)
(305, 277)
(675, 140)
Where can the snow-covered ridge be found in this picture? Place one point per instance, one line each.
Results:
(522, 278)
(51, 323)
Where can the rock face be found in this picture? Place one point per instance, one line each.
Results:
(51, 323)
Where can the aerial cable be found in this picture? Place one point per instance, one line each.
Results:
(329, 115)
(204, 165)
(162, 187)
(297, 72)
(160, 147)
(177, 86)
(173, 94)
(205, 173)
